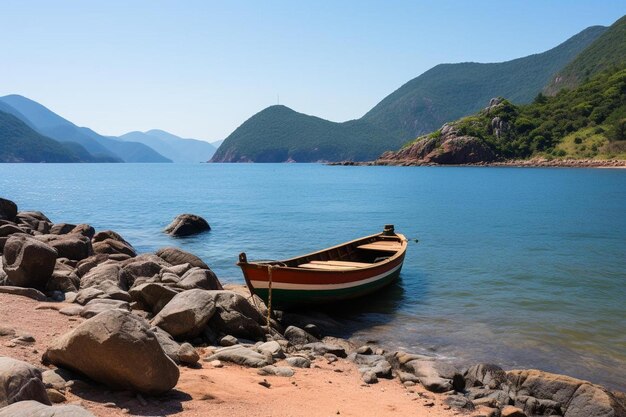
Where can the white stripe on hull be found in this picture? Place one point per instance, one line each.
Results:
(292, 286)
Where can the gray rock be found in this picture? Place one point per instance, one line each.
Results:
(28, 262)
(175, 256)
(24, 292)
(152, 295)
(109, 242)
(20, 381)
(298, 362)
(436, 376)
(87, 294)
(7, 230)
(319, 349)
(84, 229)
(63, 279)
(118, 349)
(71, 310)
(199, 278)
(236, 316)
(298, 337)
(272, 348)
(240, 355)
(35, 409)
(276, 370)
(228, 340)
(98, 306)
(143, 266)
(187, 354)
(484, 374)
(187, 313)
(108, 278)
(8, 210)
(61, 228)
(58, 378)
(459, 401)
(187, 225)
(34, 220)
(369, 377)
(543, 392)
(365, 350)
(407, 377)
(372, 363)
(74, 246)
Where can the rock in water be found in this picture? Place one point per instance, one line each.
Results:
(187, 225)
(28, 262)
(186, 314)
(8, 210)
(20, 381)
(118, 349)
(35, 409)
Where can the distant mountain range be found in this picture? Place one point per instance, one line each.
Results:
(173, 147)
(81, 144)
(443, 93)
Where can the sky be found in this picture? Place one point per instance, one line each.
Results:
(199, 69)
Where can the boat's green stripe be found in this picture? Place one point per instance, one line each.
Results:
(282, 298)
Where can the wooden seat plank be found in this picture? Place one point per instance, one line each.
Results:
(325, 267)
(382, 246)
(343, 263)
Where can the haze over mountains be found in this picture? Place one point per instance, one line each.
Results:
(81, 144)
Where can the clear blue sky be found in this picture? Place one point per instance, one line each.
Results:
(201, 68)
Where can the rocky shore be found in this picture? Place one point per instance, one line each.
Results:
(520, 163)
(90, 327)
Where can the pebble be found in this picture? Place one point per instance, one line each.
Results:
(265, 384)
(109, 405)
(216, 364)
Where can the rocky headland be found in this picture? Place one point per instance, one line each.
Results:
(90, 327)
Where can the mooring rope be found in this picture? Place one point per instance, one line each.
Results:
(269, 297)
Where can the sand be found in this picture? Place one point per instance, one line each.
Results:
(326, 389)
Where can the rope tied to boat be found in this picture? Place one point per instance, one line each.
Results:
(269, 296)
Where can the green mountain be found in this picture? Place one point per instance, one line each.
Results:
(56, 127)
(20, 143)
(587, 122)
(443, 93)
(449, 91)
(279, 134)
(608, 51)
(173, 147)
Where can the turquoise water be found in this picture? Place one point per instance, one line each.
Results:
(522, 267)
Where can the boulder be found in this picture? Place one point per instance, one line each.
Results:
(97, 306)
(61, 228)
(372, 363)
(28, 262)
(36, 409)
(183, 353)
(234, 315)
(118, 349)
(272, 348)
(75, 247)
(143, 266)
(63, 279)
(152, 295)
(8, 210)
(20, 381)
(107, 277)
(175, 256)
(187, 225)
(84, 229)
(436, 376)
(7, 230)
(240, 355)
(88, 264)
(186, 314)
(114, 247)
(297, 336)
(537, 392)
(87, 294)
(276, 371)
(298, 362)
(34, 220)
(320, 349)
(485, 374)
(199, 278)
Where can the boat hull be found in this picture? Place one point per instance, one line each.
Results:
(295, 286)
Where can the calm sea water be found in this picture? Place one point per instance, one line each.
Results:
(522, 267)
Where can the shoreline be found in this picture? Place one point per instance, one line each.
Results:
(517, 163)
(227, 360)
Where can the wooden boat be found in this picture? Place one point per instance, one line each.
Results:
(345, 271)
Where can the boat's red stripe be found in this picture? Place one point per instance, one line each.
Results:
(308, 276)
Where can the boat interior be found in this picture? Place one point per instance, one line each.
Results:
(360, 253)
